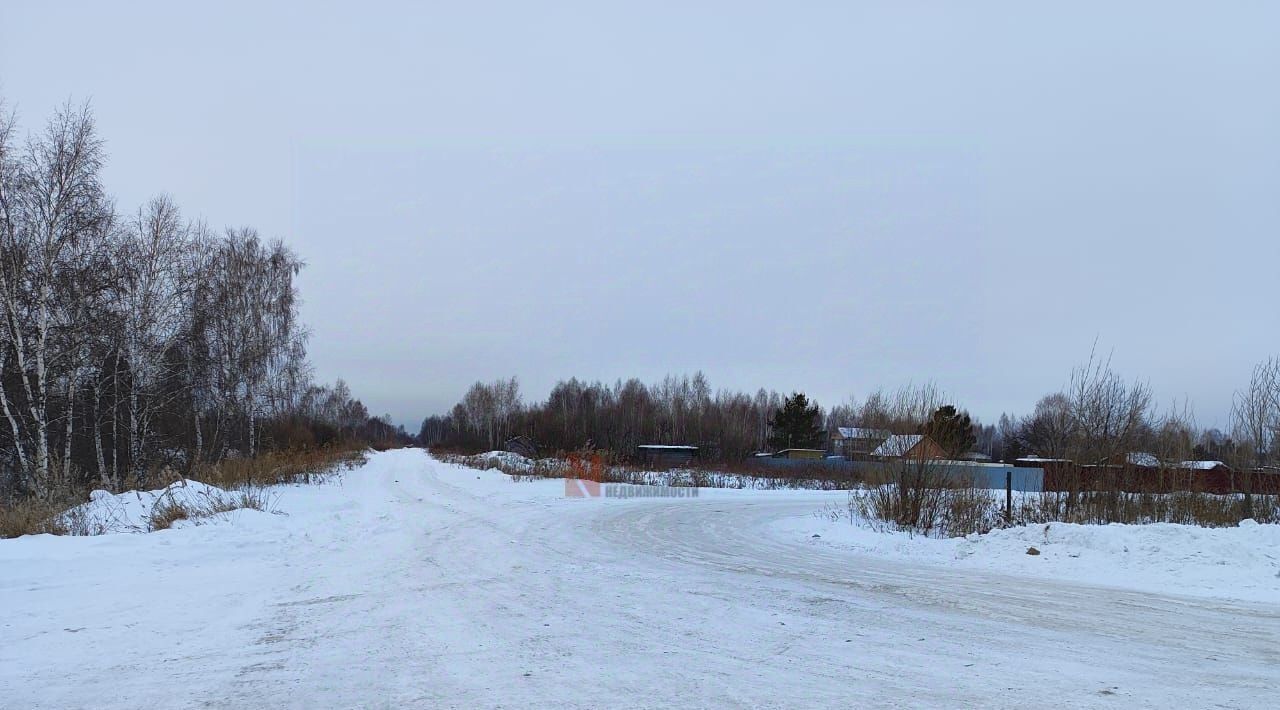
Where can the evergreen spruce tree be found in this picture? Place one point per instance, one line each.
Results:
(950, 429)
(795, 425)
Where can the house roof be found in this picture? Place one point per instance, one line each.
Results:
(1201, 465)
(897, 445)
(856, 432)
(1141, 458)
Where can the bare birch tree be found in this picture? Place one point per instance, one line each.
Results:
(54, 208)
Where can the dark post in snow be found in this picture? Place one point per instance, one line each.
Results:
(1008, 496)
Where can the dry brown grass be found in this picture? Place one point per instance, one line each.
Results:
(300, 466)
(168, 510)
(1183, 507)
(245, 480)
(32, 517)
(35, 516)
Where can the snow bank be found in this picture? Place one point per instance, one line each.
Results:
(1234, 563)
(506, 458)
(131, 511)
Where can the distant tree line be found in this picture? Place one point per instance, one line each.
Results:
(615, 417)
(618, 417)
(130, 341)
(1100, 416)
(1097, 417)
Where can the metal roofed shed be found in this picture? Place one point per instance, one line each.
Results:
(665, 454)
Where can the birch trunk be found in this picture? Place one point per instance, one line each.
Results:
(97, 435)
(66, 445)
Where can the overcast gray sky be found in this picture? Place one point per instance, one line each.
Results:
(817, 196)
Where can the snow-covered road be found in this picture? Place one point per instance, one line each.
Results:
(419, 584)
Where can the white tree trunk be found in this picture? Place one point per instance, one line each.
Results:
(97, 435)
(199, 440)
(39, 403)
(66, 445)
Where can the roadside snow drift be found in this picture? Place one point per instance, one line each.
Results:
(133, 511)
(1229, 563)
(507, 458)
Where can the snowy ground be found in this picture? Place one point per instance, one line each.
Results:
(420, 584)
(1241, 563)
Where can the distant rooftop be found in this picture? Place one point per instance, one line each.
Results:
(1201, 465)
(1141, 458)
(855, 432)
(897, 445)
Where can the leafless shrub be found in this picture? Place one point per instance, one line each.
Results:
(76, 521)
(1101, 507)
(953, 508)
(969, 509)
(904, 410)
(925, 497)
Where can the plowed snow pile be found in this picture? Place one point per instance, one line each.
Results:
(132, 511)
(507, 458)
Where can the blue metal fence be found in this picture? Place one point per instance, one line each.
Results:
(983, 475)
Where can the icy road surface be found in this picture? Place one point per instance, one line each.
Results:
(414, 583)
